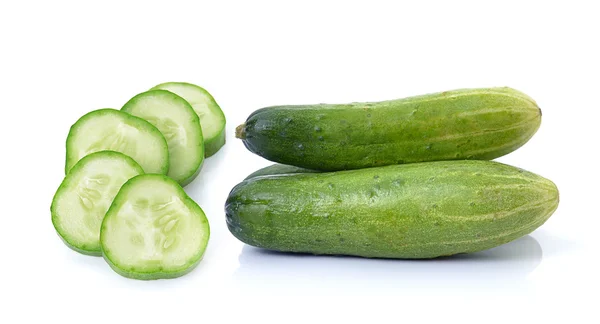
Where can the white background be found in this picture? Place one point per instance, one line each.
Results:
(59, 60)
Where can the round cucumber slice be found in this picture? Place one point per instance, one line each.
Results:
(211, 116)
(180, 126)
(153, 230)
(84, 196)
(114, 130)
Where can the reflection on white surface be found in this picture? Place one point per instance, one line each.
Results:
(504, 267)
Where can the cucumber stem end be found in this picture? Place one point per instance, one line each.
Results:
(240, 131)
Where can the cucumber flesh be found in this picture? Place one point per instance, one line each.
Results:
(84, 196)
(211, 116)
(114, 130)
(153, 230)
(278, 169)
(180, 126)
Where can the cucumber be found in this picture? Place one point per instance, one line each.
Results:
(480, 124)
(276, 169)
(153, 230)
(211, 116)
(114, 130)
(180, 126)
(408, 211)
(84, 196)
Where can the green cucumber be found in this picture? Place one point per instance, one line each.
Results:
(84, 196)
(411, 211)
(114, 130)
(180, 126)
(211, 116)
(153, 230)
(480, 124)
(276, 169)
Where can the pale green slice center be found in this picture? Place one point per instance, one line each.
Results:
(115, 139)
(150, 233)
(153, 227)
(173, 133)
(94, 195)
(82, 209)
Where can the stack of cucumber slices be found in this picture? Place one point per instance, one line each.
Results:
(122, 196)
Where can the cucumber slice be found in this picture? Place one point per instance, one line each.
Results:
(180, 126)
(211, 116)
(114, 130)
(153, 230)
(84, 196)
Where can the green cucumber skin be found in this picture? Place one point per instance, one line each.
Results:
(151, 275)
(480, 124)
(193, 176)
(78, 250)
(277, 169)
(65, 185)
(407, 211)
(155, 275)
(213, 145)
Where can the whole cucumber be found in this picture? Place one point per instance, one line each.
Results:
(420, 210)
(480, 124)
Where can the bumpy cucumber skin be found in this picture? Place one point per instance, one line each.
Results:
(63, 186)
(211, 145)
(480, 124)
(185, 180)
(154, 275)
(70, 161)
(408, 211)
(276, 169)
